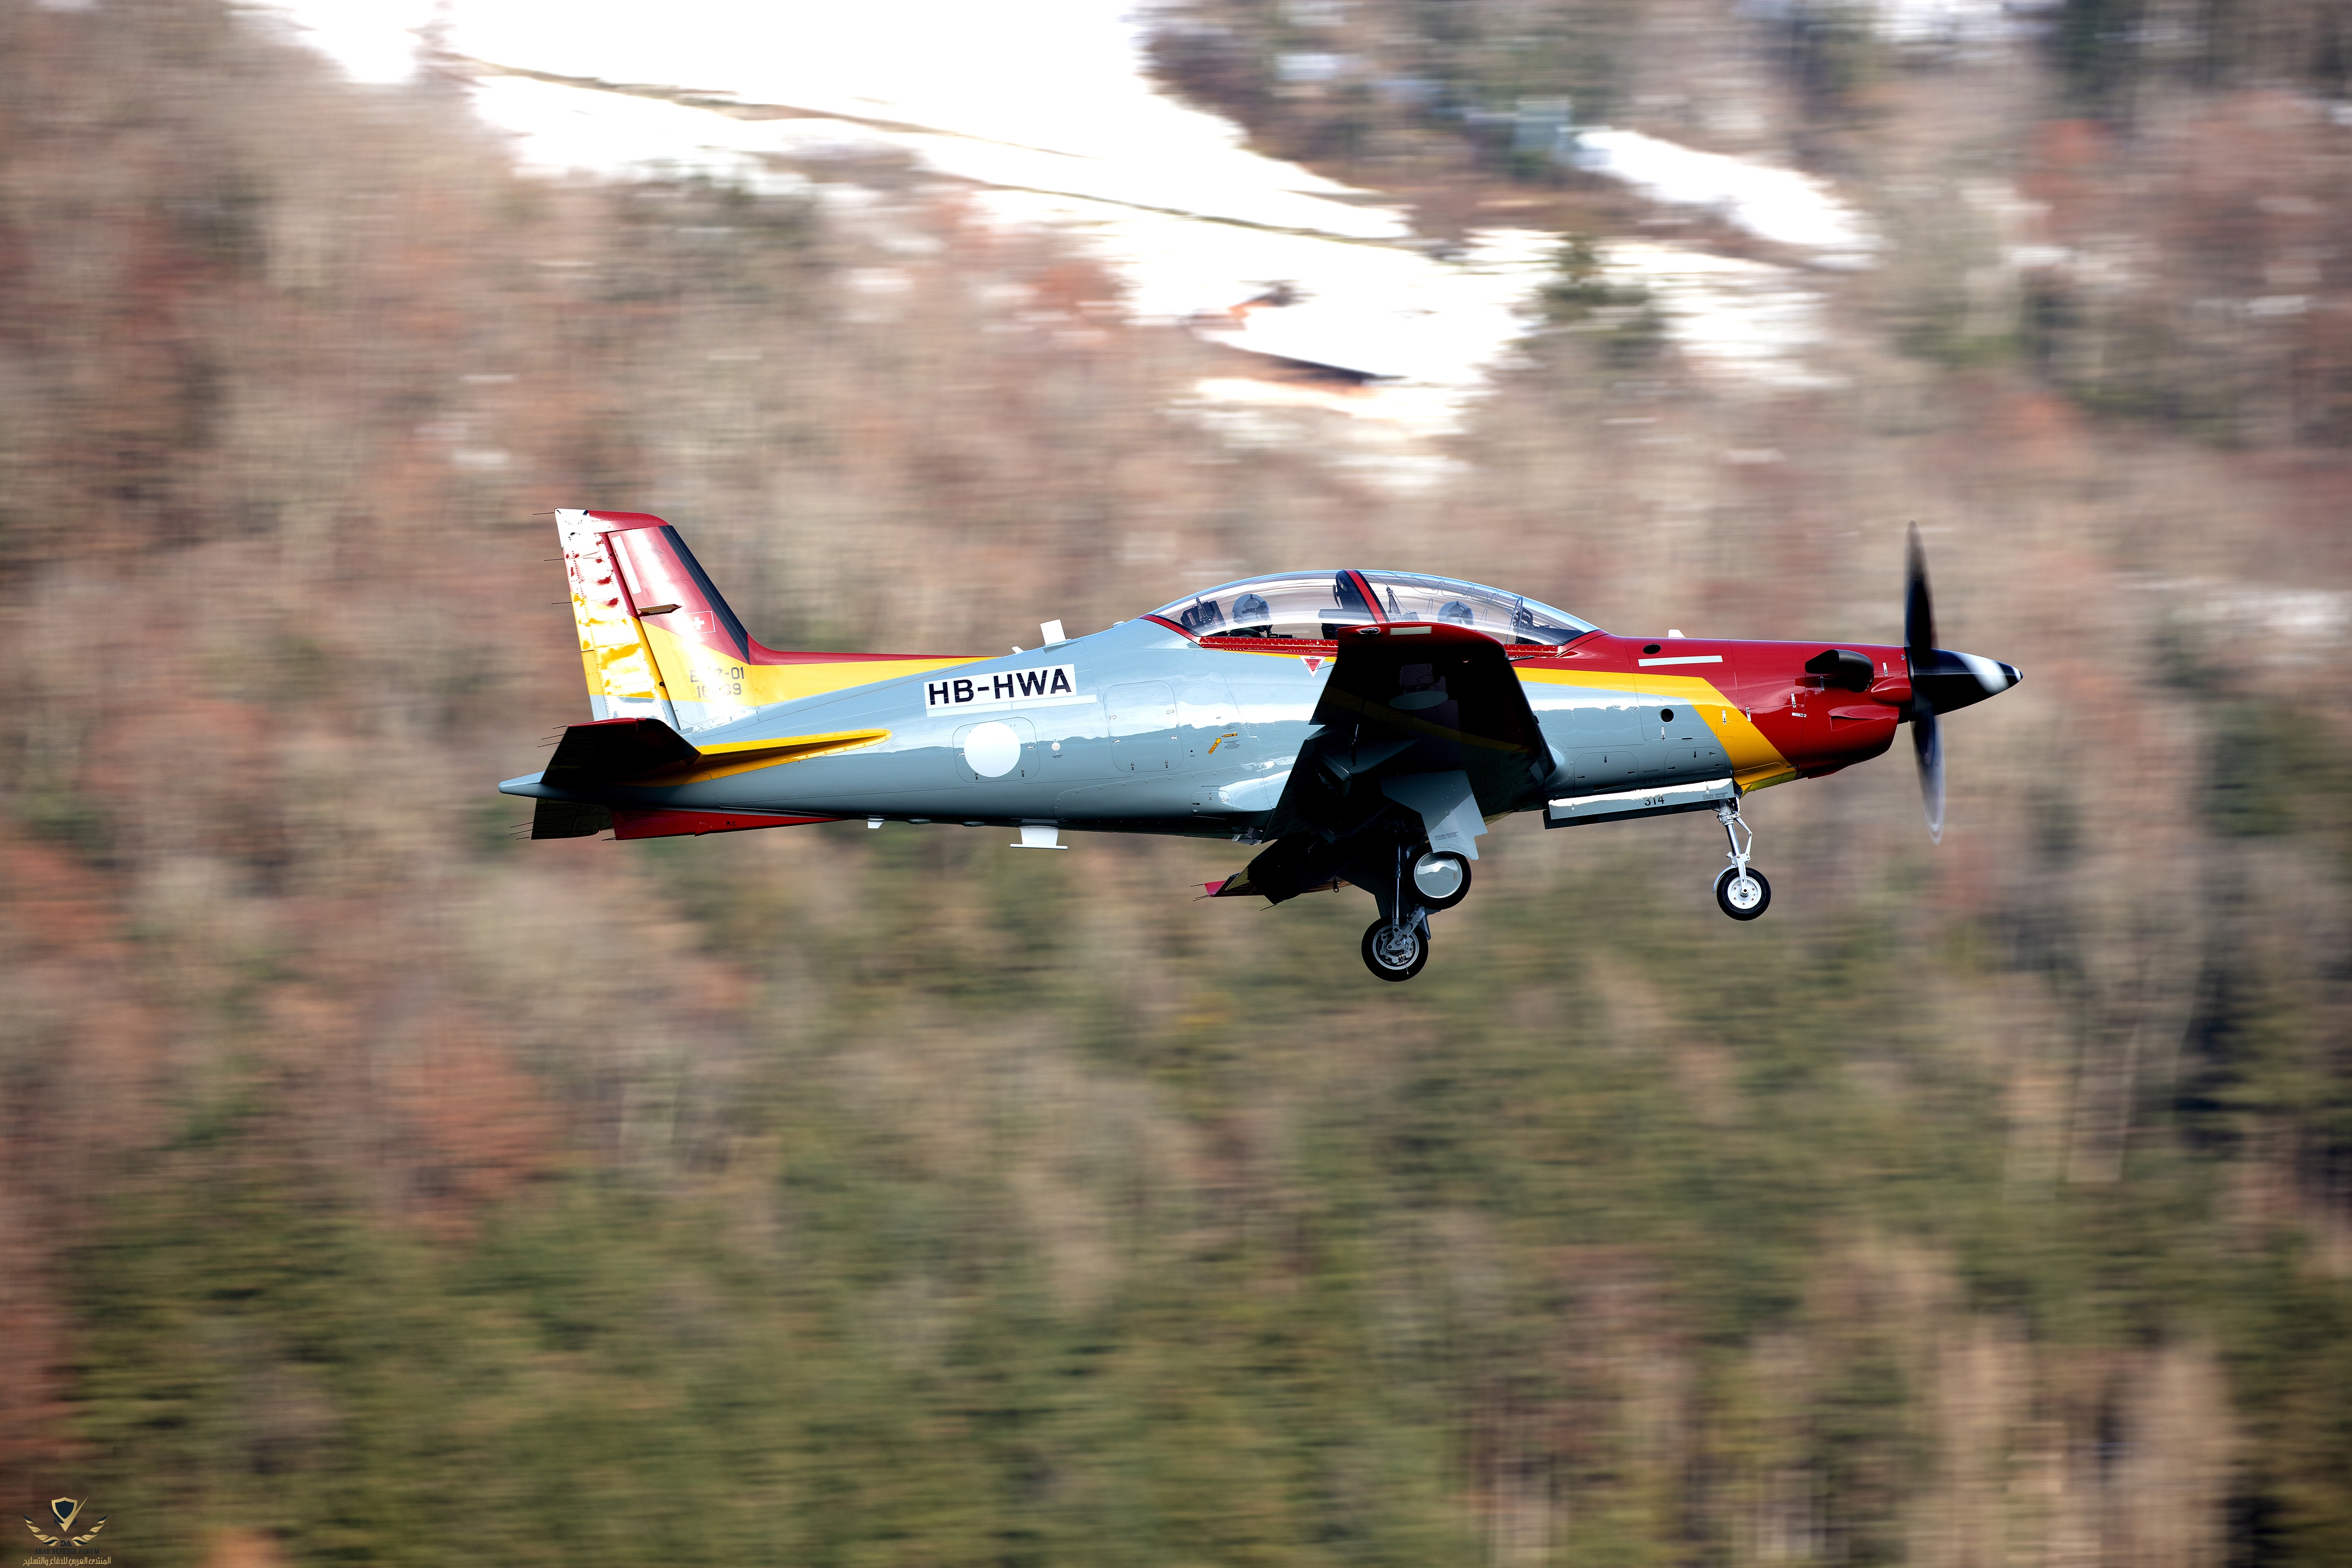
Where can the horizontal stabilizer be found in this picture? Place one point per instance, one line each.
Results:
(569, 820)
(611, 749)
(638, 754)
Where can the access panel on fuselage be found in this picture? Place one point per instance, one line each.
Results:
(1170, 746)
(1208, 724)
(1687, 748)
(1609, 736)
(1142, 722)
(1615, 739)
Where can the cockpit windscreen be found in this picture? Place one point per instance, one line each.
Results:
(1320, 606)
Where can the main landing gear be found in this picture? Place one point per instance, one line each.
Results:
(1396, 946)
(1441, 879)
(1740, 889)
(1397, 952)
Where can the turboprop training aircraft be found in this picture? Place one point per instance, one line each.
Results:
(1355, 727)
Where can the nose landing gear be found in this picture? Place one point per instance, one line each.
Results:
(1740, 889)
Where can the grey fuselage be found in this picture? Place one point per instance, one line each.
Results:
(1156, 735)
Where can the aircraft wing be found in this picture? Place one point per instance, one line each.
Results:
(1428, 716)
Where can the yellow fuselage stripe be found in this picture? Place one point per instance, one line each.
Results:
(729, 757)
(746, 684)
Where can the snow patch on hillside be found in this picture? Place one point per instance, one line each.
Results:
(1782, 206)
(1046, 113)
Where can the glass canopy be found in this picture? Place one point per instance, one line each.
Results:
(1320, 606)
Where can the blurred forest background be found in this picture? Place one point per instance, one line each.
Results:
(377, 1188)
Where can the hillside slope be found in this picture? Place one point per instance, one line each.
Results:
(380, 1189)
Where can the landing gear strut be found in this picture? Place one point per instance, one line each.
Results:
(1740, 890)
(1397, 944)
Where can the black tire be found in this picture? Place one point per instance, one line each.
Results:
(1724, 897)
(1451, 899)
(1375, 946)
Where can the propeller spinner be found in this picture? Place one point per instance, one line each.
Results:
(1941, 681)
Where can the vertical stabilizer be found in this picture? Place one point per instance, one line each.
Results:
(652, 628)
(699, 650)
(623, 681)
(658, 641)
